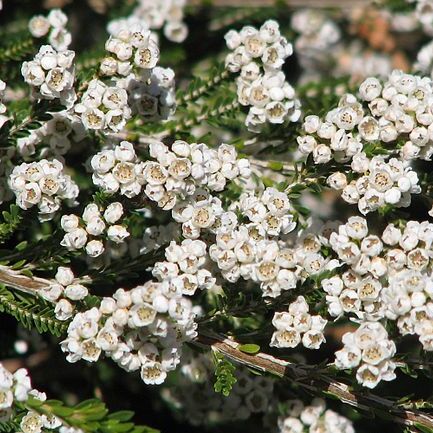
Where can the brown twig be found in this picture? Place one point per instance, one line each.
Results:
(15, 280)
(290, 3)
(314, 380)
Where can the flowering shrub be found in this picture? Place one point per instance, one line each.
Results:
(231, 204)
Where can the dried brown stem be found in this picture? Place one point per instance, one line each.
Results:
(314, 380)
(15, 280)
(291, 3)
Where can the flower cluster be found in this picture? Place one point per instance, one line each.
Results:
(313, 418)
(175, 176)
(397, 110)
(249, 249)
(370, 351)
(103, 107)
(132, 45)
(185, 267)
(331, 138)
(144, 328)
(118, 170)
(296, 326)
(387, 276)
(16, 389)
(271, 212)
(400, 108)
(200, 403)
(54, 24)
(13, 387)
(258, 55)
(44, 184)
(152, 98)
(51, 74)
(179, 172)
(164, 13)
(381, 182)
(317, 40)
(130, 329)
(93, 224)
(64, 293)
(409, 293)
(53, 138)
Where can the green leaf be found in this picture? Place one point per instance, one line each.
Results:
(423, 428)
(251, 349)
(275, 165)
(122, 415)
(225, 378)
(31, 312)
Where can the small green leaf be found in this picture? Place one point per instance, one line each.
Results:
(251, 349)
(275, 165)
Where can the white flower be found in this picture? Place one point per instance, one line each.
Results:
(57, 18)
(93, 118)
(64, 276)
(95, 226)
(52, 293)
(370, 89)
(152, 373)
(117, 233)
(31, 423)
(69, 222)
(75, 239)
(39, 26)
(76, 292)
(113, 212)
(337, 181)
(63, 309)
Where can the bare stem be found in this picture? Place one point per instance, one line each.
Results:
(315, 380)
(291, 3)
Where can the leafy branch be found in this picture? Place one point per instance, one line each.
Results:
(11, 222)
(91, 416)
(199, 87)
(224, 370)
(40, 112)
(31, 312)
(17, 49)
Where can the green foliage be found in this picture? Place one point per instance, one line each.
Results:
(17, 49)
(225, 378)
(11, 222)
(199, 87)
(92, 416)
(40, 112)
(16, 45)
(9, 426)
(322, 96)
(31, 312)
(401, 6)
(423, 428)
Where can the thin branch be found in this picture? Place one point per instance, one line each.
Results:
(313, 380)
(345, 4)
(15, 280)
